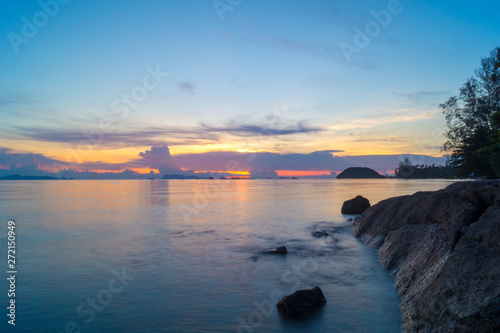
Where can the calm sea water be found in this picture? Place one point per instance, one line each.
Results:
(185, 256)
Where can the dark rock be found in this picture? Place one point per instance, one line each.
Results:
(444, 249)
(359, 173)
(355, 206)
(350, 219)
(301, 302)
(323, 233)
(320, 234)
(278, 250)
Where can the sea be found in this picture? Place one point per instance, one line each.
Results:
(187, 255)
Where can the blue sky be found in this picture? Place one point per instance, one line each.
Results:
(268, 67)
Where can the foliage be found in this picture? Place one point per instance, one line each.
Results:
(473, 122)
(407, 170)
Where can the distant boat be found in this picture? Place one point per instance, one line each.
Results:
(294, 178)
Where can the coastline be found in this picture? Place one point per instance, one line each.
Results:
(443, 249)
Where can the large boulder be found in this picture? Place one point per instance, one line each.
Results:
(355, 206)
(443, 248)
(301, 302)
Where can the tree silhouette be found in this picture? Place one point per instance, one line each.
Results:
(472, 135)
(406, 170)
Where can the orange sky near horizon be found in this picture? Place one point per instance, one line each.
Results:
(90, 153)
(105, 97)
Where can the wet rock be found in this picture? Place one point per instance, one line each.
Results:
(321, 233)
(355, 206)
(350, 219)
(324, 233)
(443, 248)
(278, 250)
(301, 302)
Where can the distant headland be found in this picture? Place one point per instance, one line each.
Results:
(19, 177)
(359, 173)
(176, 176)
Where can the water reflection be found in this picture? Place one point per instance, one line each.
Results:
(156, 192)
(202, 273)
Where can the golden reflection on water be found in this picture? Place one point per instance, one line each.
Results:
(117, 201)
(205, 267)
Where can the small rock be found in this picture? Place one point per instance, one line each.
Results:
(301, 302)
(278, 250)
(320, 234)
(355, 206)
(350, 219)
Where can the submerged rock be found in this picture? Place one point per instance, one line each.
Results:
(325, 233)
(444, 249)
(301, 302)
(355, 206)
(278, 250)
(321, 233)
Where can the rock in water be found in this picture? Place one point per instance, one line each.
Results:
(355, 206)
(321, 234)
(278, 250)
(301, 302)
(324, 233)
(444, 249)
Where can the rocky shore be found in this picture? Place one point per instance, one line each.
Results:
(443, 249)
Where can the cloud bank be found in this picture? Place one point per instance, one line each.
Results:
(160, 159)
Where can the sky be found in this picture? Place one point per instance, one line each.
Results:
(285, 85)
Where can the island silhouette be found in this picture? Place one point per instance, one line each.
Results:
(359, 173)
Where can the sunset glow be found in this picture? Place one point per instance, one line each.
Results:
(285, 100)
(294, 173)
(235, 165)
